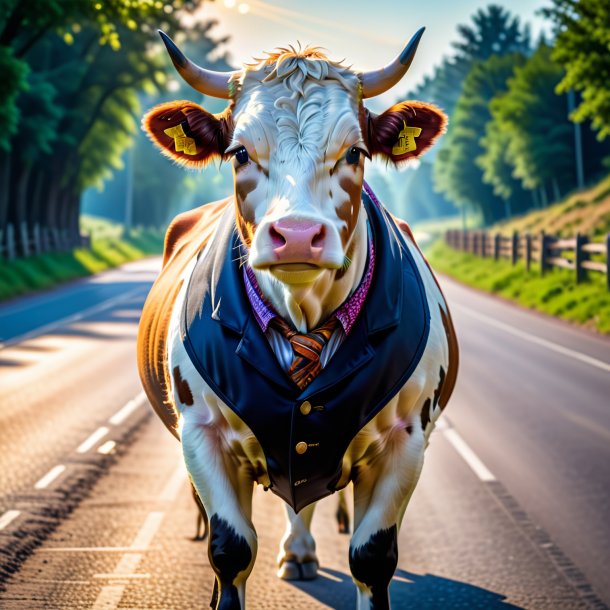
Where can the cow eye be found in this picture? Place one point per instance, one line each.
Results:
(353, 156)
(241, 154)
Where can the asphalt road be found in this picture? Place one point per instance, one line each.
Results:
(95, 511)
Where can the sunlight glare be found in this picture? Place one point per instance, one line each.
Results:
(243, 8)
(230, 3)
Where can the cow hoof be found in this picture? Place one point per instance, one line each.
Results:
(292, 570)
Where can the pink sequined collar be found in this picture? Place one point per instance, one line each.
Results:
(346, 314)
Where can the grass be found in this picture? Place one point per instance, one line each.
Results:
(109, 248)
(556, 293)
(586, 211)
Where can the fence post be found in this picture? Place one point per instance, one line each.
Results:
(10, 242)
(543, 245)
(484, 244)
(475, 243)
(579, 256)
(37, 242)
(497, 239)
(46, 244)
(25, 243)
(514, 251)
(528, 251)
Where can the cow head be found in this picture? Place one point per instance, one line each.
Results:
(297, 134)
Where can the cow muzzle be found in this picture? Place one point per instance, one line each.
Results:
(296, 251)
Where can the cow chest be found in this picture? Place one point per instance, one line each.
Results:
(305, 433)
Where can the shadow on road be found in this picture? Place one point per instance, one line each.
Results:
(408, 591)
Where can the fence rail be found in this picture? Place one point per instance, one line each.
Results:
(24, 241)
(547, 251)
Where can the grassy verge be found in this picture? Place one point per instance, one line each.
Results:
(108, 249)
(556, 293)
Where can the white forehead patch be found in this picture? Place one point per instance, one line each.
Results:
(297, 109)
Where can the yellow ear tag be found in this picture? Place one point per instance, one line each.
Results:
(181, 142)
(406, 140)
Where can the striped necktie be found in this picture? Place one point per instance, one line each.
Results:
(306, 349)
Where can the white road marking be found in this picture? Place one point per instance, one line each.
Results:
(75, 317)
(148, 530)
(469, 456)
(94, 549)
(8, 517)
(97, 436)
(115, 576)
(110, 596)
(175, 482)
(50, 477)
(124, 412)
(329, 576)
(560, 349)
(441, 424)
(106, 448)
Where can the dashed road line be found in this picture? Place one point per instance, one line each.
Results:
(106, 448)
(110, 596)
(555, 347)
(50, 477)
(124, 412)
(175, 482)
(8, 517)
(93, 439)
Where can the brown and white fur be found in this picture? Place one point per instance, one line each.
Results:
(298, 115)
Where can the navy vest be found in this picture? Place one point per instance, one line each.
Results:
(304, 443)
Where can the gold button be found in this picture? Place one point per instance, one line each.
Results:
(306, 408)
(301, 448)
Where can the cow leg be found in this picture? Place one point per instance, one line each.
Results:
(297, 559)
(225, 488)
(382, 489)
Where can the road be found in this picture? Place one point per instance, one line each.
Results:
(95, 510)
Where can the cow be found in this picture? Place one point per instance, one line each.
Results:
(296, 338)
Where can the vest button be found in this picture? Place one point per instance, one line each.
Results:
(305, 408)
(301, 448)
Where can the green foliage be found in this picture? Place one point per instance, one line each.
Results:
(582, 47)
(13, 76)
(456, 172)
(531, 121)
(493, 31)
(556, 293)
(108, 249)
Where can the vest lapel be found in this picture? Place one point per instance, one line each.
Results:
(256, 350)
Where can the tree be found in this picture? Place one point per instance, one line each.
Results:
(493, 31)
(582, 29)
(531, 137)
(74, 108)
(456, 172)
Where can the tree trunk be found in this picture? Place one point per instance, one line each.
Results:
(21, 200)
(543, 196)
(5, 188)
(556, 191)
(535, 198)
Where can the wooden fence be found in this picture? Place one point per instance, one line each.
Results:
(546, 251)
(24, 242)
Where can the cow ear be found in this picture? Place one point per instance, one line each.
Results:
(406, 130)
(187, 133)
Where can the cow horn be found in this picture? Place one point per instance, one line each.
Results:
(377, 82)
(205, 81)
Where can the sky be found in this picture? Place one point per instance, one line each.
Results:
(367, 35)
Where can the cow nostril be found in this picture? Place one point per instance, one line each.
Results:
(318, 238)
(277, 238)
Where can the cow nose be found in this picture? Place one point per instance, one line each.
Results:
(297, 241)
